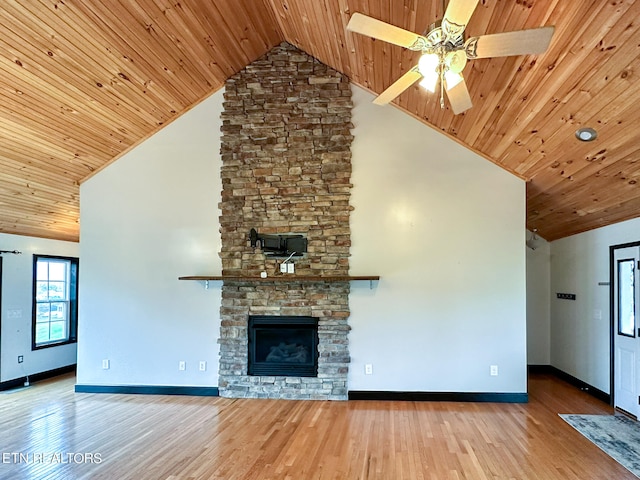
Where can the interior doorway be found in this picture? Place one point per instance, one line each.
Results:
(625, 327)
(1, 314)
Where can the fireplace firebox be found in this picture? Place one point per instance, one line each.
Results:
(283, 346)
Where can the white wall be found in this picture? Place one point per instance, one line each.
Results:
(580, 329)
(538, 304)
(147, 219)
(444, 228)
(17, 297)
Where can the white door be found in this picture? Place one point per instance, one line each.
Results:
(626, 286)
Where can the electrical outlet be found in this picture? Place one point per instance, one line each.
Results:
(368, 369)
(291, 268)
(283, 268)
(494, 370)
(105, 364)
(203, 366)
(20, 358)
(182, 365)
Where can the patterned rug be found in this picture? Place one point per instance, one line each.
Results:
(616, 435)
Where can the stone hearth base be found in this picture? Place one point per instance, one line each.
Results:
(328, 302)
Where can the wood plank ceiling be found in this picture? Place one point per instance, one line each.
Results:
(84, 81)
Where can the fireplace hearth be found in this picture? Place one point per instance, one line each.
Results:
(282, 346)
(325, 302)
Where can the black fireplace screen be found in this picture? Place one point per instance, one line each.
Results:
(283, 346)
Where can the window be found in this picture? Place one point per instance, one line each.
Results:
(626, 297)
(55, 300)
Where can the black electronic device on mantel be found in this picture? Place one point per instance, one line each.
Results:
(279, 245)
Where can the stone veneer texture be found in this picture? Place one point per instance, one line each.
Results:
(286, 168)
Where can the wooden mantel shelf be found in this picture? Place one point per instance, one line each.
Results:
(288, 278)
(283, 278)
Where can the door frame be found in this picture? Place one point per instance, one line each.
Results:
(1, 278)
(612, 320)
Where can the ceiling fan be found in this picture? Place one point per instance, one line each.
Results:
(445, 51)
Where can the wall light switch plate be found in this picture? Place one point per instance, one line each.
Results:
(494, 370)
(283, 268)
(105, 364)
(291, 268)
(203, 366)
(182, 365)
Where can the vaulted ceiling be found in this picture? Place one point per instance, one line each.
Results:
(84, 81)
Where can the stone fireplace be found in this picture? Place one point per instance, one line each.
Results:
(286, 168)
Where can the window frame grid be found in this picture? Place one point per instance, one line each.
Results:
(70, 300)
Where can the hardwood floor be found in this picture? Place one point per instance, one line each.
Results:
(50, 432)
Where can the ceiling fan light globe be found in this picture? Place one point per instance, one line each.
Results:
(430, 81)
(452, 79)
(428, 64)
(456, 61)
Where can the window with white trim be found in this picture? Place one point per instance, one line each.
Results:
(55, 300)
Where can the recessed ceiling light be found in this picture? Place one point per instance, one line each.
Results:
(586, 134)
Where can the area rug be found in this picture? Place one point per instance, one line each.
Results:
(616, 435)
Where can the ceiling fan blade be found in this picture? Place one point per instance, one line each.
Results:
(399, 86)
(459, 97)
(386, 32)
(459, 11)
(520, 42)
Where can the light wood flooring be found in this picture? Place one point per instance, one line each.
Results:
(49, 432)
